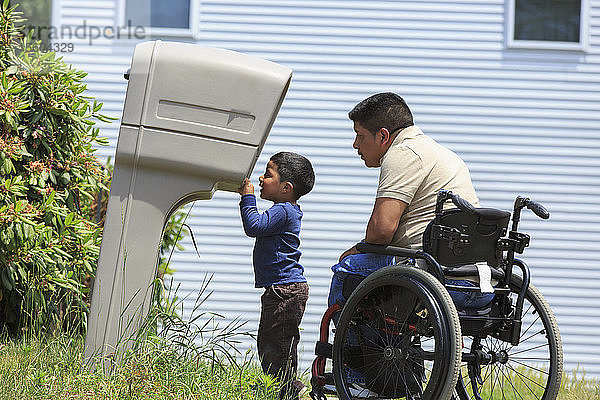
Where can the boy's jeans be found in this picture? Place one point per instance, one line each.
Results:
(282, 307)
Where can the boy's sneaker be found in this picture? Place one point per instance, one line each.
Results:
(356, 391)
(360, 392)
(300, 387)
(294, 392)
(329, 388)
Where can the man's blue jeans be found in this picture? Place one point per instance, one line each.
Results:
(468, 300)
(361, 264)
(364, 264)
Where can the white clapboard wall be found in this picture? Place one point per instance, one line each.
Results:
(525, 121)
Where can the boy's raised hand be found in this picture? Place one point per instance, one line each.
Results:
(246, 188)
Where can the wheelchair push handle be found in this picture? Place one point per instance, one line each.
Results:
(524, 202)
(462, 204)
(458, 201)
(538, 209)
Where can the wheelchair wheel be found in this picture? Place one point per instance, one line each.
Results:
(531, 370)
(398, 336)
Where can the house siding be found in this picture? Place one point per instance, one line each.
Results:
(525, 122)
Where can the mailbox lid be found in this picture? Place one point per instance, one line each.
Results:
(210, 92)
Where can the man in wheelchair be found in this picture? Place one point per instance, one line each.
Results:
(430, 274)
(413, 168)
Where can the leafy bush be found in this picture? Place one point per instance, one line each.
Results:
(53, 190)
(48, 178)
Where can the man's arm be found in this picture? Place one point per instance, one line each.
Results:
(382, 224)
(384, 220)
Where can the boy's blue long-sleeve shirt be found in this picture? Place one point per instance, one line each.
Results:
(276, 253)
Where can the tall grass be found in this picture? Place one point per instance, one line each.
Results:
(576, 386)
(519, 384)
(172, 358)
(51, 368)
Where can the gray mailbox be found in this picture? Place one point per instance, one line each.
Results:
(195, 120)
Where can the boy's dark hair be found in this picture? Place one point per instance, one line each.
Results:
(382, 110)
(297, 170)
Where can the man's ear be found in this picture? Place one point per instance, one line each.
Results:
(384, 136)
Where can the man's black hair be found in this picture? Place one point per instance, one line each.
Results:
(382, 110)
(297, 170)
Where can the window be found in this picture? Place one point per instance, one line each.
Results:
(554, 24)
(37, 13)
(172, 17)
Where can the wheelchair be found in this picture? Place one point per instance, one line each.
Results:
(400, 335)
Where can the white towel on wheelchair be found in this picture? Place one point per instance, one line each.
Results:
(485, 277)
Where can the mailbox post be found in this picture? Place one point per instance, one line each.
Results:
(195, 120)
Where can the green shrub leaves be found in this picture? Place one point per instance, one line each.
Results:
(49, 242)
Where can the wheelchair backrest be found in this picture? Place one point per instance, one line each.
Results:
(459, 237)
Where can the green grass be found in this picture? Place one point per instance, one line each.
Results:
(171, 358)
(574, 386)
(52, 369)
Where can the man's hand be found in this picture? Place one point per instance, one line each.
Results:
(246, 188)
(348, 252)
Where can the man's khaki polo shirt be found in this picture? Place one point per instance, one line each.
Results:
(413, 170)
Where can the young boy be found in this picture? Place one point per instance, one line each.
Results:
(276, 257)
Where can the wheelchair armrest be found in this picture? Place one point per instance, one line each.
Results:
(385, 249)
(434, 267)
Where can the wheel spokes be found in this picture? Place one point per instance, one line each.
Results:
(522, 371)
(386, 334)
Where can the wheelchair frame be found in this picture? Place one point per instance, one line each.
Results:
(505, 325)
